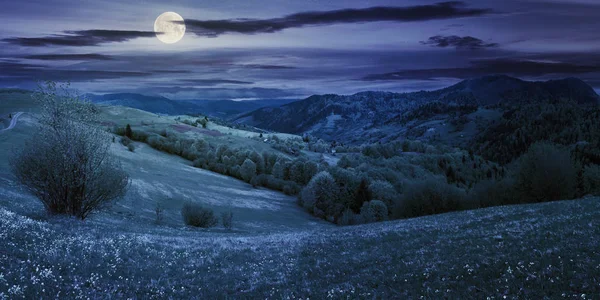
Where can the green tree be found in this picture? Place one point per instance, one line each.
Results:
(248, 170)
(128, 132)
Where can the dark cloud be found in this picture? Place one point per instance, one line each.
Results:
(458, 42)
(32, 72)
(89, 56)
(443, 10)
(79, 38)
(491, 66)
(213, 82)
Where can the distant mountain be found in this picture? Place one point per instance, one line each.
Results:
(382, 116)
(229, 108)
(163, 105)
(154, 104)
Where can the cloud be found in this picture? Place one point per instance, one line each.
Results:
(442, 10)
(89, 56)
(264, 67)
(465, 42)
(79, 38)
(15, 71)
(490, 66)
(213, 82)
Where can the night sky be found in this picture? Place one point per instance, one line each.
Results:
(291, 49)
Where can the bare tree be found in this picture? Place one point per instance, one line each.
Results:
(67, 164)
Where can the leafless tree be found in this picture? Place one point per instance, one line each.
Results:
(67, 163)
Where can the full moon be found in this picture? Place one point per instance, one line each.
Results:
(166, 30)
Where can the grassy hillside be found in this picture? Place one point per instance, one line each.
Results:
(528, 251)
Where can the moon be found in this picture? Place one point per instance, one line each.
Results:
(166, 30)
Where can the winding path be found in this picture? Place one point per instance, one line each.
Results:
(13, 122)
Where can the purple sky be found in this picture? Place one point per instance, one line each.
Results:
(291, 49)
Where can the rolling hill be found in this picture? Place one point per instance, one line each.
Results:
(381, 116)
(163, 105)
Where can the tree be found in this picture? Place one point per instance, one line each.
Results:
(361, 196)
(67, 164)
(128, 132)
(320, 194)
(546, 173)
(248, 170)
(385, 192)
(203, 122)
(259, 161)
(279, 170)
(374, 211)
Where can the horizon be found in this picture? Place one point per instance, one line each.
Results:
(283, 49)
(299, 98)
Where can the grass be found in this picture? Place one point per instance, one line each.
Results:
(529, 251)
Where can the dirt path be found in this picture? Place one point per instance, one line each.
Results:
(13, 122)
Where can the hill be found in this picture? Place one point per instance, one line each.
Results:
(163, 105)
(154, 104)
(380, 116)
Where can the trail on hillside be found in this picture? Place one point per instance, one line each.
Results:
(13, 122)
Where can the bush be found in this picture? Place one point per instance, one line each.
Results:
(195, 215)
(158, 211)
(67, 163)
(385, 192)
(128, 132)
(202, 122)
(125, 141)
(227, 219)
(374, 211)
(319, 195)
(545, 173)
(428, 197)
(248, 170)
(278, 170)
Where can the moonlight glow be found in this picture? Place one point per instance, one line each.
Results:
(166, 30)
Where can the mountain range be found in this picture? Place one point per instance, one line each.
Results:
(163, 105)
(449, 113)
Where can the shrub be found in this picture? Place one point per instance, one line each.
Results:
(278, 170)
(319, 195)
(248, 170)
(131, 147)
(383, 191)
(195, 215)
(374, 211)
(67, 164)
(203, 122)
(128, 132)
(428, 197)
(125, 141)
(227, 219)
(158, 211)
(545, 173)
